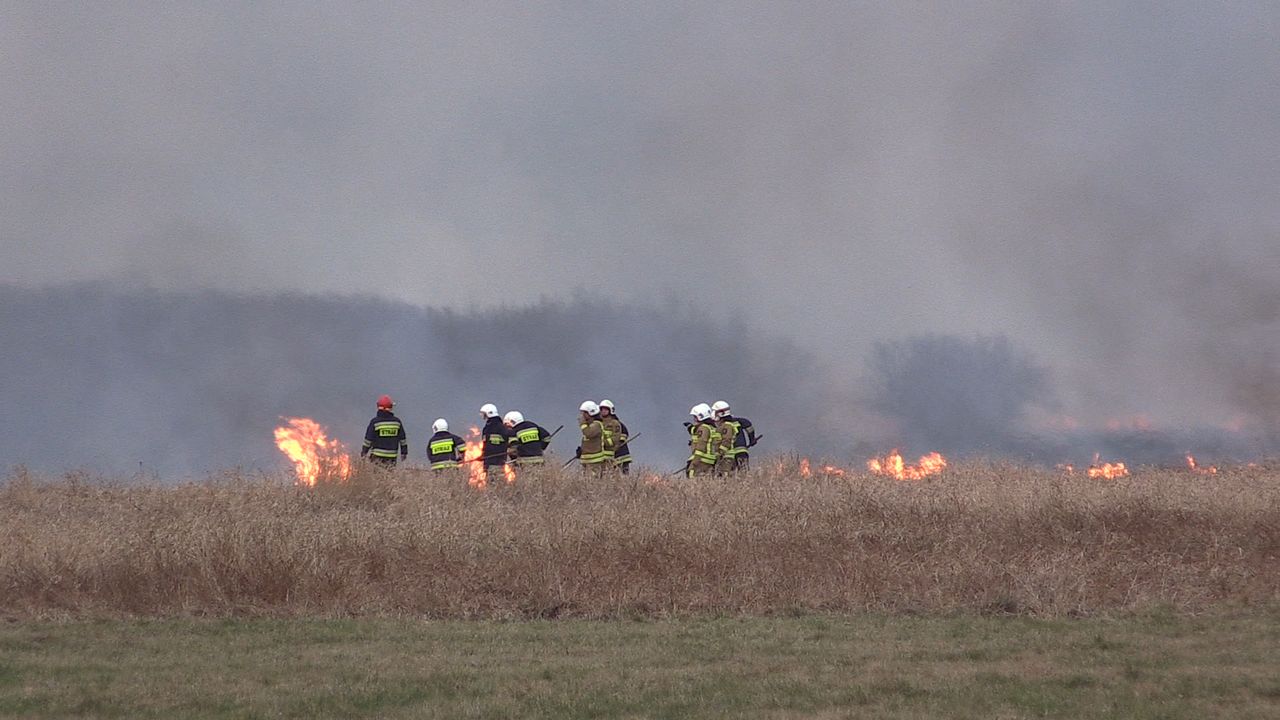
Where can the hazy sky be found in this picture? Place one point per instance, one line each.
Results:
(1098, 181)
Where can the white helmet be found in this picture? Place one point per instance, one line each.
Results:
(489, 410)
(720, 408)
(700, 412)
(440, 425)
(607, 404)
(589, 407)
(512, 418)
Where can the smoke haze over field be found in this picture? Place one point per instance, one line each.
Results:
(1091, 185)
(188, 383)
(185, 383)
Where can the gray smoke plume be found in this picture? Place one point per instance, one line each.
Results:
(957, 395)
(177, 384)
(1093, 182)
(189, 383)
(982, 396)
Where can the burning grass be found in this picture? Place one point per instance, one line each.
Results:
(979, 537)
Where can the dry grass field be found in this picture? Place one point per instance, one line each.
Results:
(984, 538)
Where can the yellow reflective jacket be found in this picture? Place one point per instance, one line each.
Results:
(593, 442)
(727, 431)
(612, 434)
(705, 443)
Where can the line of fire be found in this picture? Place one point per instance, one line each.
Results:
(318, 458)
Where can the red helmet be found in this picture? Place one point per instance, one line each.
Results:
(384, 403)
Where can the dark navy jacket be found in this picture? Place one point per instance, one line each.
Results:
(445, 449)
(385, 437)
(529, 439)
(494, 436)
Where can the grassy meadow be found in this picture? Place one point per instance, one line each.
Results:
(1156, 665)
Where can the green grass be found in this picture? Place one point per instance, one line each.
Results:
(1150, 666)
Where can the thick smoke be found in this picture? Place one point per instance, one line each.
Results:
(957, 395)
(1119, 201)
(192, 382)
(1093, 182)
(984, 396)
(186, 383)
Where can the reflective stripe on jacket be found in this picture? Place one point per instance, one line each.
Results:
(726, 430)
(445, 450)
(613, 436)
(494, 437)
(704, 440)
(528, 440)
(622, 454)
(385, 438)
(593, 442)
(744, 433)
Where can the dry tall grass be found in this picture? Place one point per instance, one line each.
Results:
(981, 537)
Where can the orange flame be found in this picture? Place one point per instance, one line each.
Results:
(314, 455)
(1107, 471)
(806, 470)
(1068, 468)
(655, 480)
(1195, 468)
(471, 456)
(476, 474)
(894, 466)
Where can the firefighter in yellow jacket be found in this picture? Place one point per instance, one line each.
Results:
(741, 433)
(616, 433)
(704, 441)
(593, 453)
(727, 432)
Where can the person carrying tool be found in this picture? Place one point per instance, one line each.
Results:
(493, 437)
(591, 453)
(704, 442)
(384, 439)
(741, 435)
(620, 456)
(526, 440)
(444, 450)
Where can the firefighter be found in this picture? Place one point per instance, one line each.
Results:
(494, 439)
(704, 442)
(444, 450)
(740, 437)
(621, 454)
(725, 432)
(591, 453)
(384, 439)
(526, 440)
